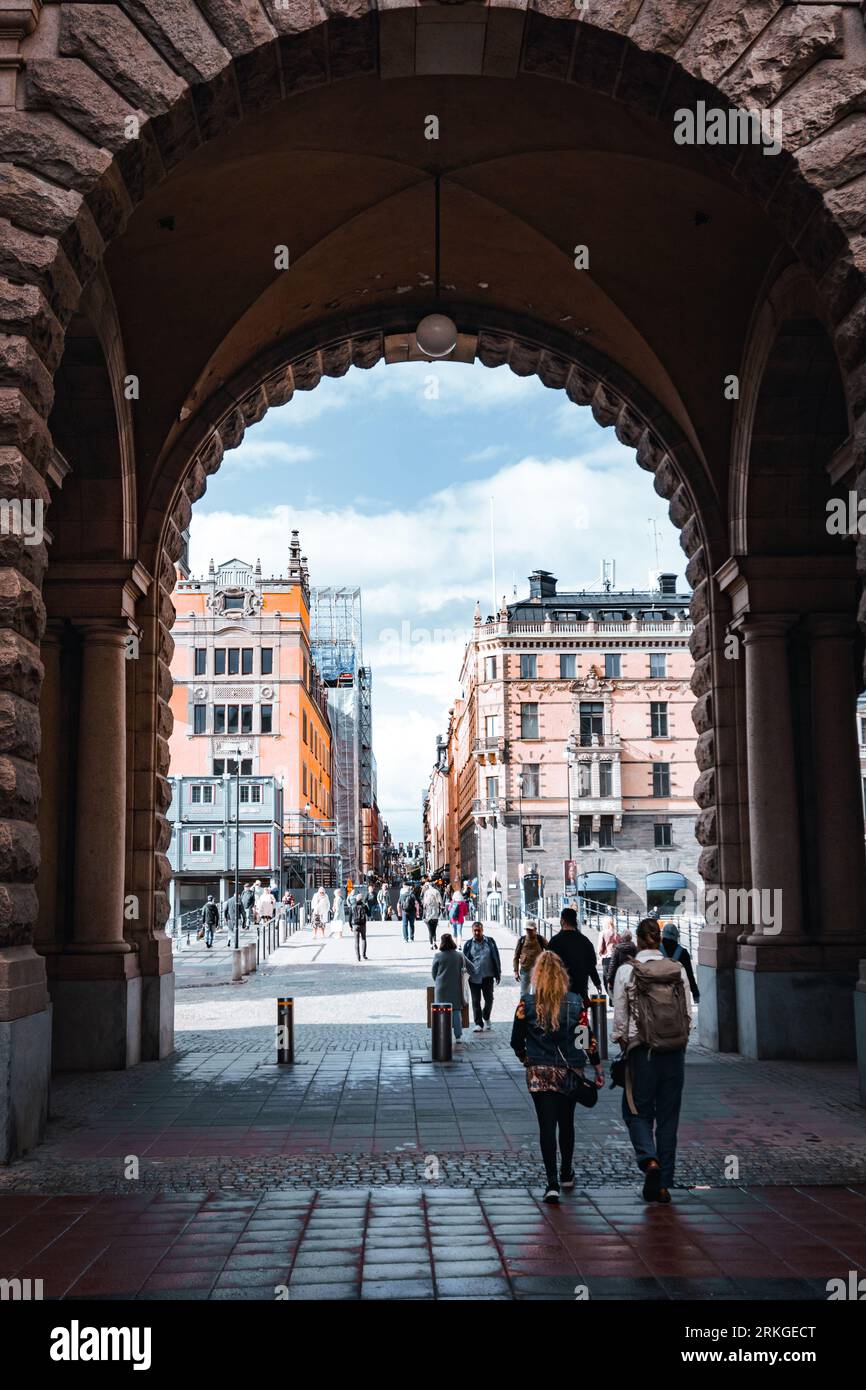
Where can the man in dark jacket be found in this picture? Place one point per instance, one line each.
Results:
(210, 920)
(485, 969)
(408, 907)
(670, 947)
(234, 914)
(577, 954)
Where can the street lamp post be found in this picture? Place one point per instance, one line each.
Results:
(520, 845)
(237, 845)
(569, 762)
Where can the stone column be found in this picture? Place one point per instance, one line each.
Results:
(838, 798)
(47, 935)
(774, 836)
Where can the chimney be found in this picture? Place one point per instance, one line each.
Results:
(542, 584)
(668, 585)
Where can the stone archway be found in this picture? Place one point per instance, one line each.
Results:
(112, 102)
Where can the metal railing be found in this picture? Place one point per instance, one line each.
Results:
(593, 916)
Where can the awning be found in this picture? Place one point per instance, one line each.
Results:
(664, 881)
(596, 883)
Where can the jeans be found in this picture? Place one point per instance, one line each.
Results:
(360, 935)
(555, 1112)
(525, 982)
(485, 989)
(657, 1084)
(432, 924)
(208, 935)
(408, 927)
(456, 1022)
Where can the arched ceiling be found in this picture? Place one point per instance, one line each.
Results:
(342, 175)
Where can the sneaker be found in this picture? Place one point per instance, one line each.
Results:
(567, 1181)
(479, 1028)
(652, 1183)
(489, 1026)
(551, 1195)
(664, 1196)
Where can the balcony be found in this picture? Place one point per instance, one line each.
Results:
(485, 808)
(598, 741)
(491, 750)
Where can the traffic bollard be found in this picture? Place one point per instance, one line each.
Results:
(598, 1007)
(285, 1030)
(440, 1017)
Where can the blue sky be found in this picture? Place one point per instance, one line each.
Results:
(388, 475)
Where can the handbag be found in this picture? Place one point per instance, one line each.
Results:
(576, 1086)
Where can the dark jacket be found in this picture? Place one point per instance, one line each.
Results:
(669, 949)
(577, 954)
(233, 909)
(626, 950)
(534, 1045)
(473, 948)
(408, 903)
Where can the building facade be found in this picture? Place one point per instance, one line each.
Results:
(216, 823)
(569, 761)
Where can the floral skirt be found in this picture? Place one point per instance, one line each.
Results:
(539, 1078)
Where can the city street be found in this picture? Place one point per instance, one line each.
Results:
(366, 1170)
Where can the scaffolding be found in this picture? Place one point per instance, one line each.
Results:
(335, 632)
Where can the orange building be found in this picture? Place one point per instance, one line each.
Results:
(245, 683)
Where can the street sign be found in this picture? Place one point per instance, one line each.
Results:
(570, 875)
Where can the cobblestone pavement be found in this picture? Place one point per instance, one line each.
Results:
(387, 1243)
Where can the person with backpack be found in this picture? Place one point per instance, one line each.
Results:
(210, 919)
(457, 913)
(408, 905)
(652, 1018)
(674, 951)
(431, 906)
(529, 948)
(358, 918)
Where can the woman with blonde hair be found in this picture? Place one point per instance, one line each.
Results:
(551, 1036)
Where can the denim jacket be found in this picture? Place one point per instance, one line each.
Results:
(554, 1049)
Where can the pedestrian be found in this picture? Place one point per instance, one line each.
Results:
(249, 903)
(576, 952)
(235, 916)
(210, 917)
(652, 1018)
(431, 906)
(485, 970)
(529, 948)
(457, 913)
(625, 950)
(320, 910)
(545, 1036)
(608, 942)
(267, 906)
(408, 905)
(359, 922)
(450, 974)
(338, 919)
(670, 947)
(384, 900)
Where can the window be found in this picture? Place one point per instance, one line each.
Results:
(267, 661)
(492, 784)
(233, 719)
(661, 779)
(663, 837)
(246, 767)
(529, 720)
(491, 726)
(567, 666)
(528, 666)
(531, 779)
(658, 664)
(304, 725)
(267, 719)
(584, 779)
(199, 719)
(532, 837)
(219, 767)
(246, 661)
(605, 779)
(659, 718)
(304, 780)
(219, 719)
(233, 603)
(201, 844)
(201, 661)
(219, 661)
(591, 722)
(246, 719)
(612, 665)
(605, 833)
(234, 661)
(251, 793)
(202, 794)
(584, 832)
(490, 668)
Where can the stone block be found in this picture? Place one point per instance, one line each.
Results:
(25, 1071)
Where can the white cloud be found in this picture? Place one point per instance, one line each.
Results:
(257, 454)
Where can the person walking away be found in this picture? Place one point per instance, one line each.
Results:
(319, 911)
(210, 918)
(485, 970)
(576, 952)
(449, 971)
(249, 902)
(625, 950)
(408, 905)
(431, 906)
(529, 948)
(338, 919)
(267, 906)
(670, 947)
(608, 941)
(359, 923)
(457, 914)
(652, 1018)
(235, 913)
(545, 1037)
